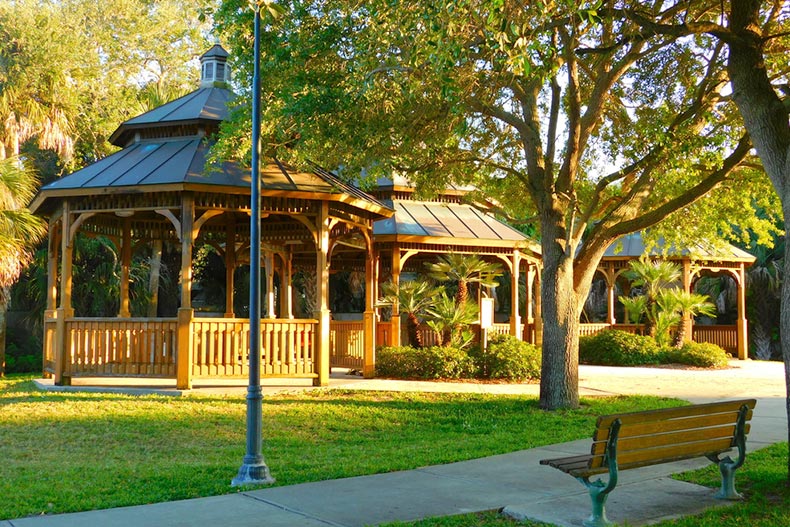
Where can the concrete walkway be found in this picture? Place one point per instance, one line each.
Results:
(514, 481)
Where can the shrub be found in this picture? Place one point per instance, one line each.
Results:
(507, 358)
(435, 362)
(702, 354)
(619, 348)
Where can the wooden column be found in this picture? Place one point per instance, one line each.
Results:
(50, 313)
(286, 285)
(529, 323)
(368, 317)
(611, 281)
(268, 265)
(395, 339)
(538, 311)
(126, 263)
(322, 313)
(65, 311)
(515, 316)
(742, 327)
(686, 321)
(185, 313)
(230, 267)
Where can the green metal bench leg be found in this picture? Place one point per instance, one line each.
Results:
(598, 494)
(599, 491)
(727, 466)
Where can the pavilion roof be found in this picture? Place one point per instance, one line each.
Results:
(205, 104)
(633, 246)
(457, 223)
(178, 164)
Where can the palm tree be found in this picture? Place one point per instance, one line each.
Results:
(464, 269)
(19, 232)
(634, 307)
(684, 303)
(448, 319)
(412, 297)
(652, 276)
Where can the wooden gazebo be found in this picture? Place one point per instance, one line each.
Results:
(158, 188)
(695, 262)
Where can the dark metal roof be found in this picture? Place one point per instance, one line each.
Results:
(633, 246)
(447, 220)
(183, 162)
(204, 104)
(215, 51)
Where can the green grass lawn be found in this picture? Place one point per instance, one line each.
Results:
(64, 452)
(761, 480)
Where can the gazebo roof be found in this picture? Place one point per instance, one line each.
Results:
(451, 222)
(202, 105)
(633, 246)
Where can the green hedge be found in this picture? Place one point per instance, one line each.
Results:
(619, 348)
(507, 358)
(702, 354)
(435, 362)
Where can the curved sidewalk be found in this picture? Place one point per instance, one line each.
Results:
(514, 480)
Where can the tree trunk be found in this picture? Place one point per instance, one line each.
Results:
(559, 381)
(412, 329)
(765, 118)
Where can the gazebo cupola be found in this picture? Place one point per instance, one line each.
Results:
(214, 67)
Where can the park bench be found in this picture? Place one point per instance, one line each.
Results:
(640, 439)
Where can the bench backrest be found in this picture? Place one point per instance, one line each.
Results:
(646, 438)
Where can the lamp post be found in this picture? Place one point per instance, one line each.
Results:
(253, 470)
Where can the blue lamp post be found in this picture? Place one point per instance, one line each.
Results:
(254, 471)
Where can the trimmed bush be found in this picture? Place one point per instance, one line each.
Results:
(435, 362)
(619, 348)
(702, 354)
(507, 358)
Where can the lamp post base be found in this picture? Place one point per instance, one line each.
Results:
(253, 474)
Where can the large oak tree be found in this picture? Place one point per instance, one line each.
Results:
(572, 115)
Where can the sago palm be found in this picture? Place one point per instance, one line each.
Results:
(19, 232)
(684, 303)
(412, 297)
(652, 276)
(464, 269)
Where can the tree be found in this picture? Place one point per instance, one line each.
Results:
(685, 304)
(19, 232)
(570, 115)
(652, 276)
(413, 298)
(71, 70)
(464, 269)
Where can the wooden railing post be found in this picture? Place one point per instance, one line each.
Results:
(184, 351)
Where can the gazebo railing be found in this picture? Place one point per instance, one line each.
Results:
(221, 346)
(120, 346)
(347, 343)
(724, 336)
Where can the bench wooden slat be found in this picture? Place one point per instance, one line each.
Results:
(656, 440)
(654, 427)
(663, 414)
(568, 465)
(671, 452)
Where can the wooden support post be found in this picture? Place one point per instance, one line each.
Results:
(65, 311)
(126, 262)
(286, 286)
(322, 313)
(230, 268)
(369, 358)
(515, 316)
(610, 285)
(742, 326)
(268, 265)
(185, 312)
(538, 312)
(50, 313)
(395, 339)
(686, 321)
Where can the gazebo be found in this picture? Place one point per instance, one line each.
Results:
(695, 261)
(157, 188)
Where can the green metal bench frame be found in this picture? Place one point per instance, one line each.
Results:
(690, 424)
